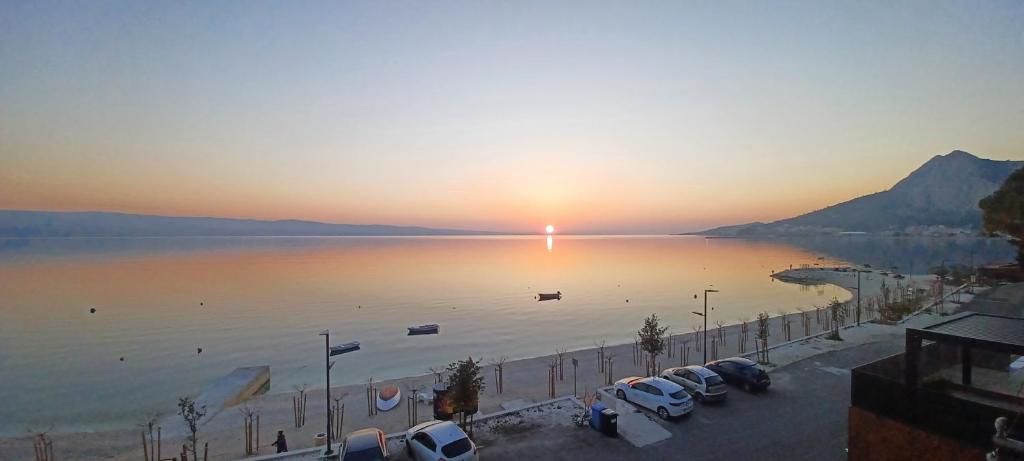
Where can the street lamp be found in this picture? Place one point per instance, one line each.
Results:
(705, 315)
(328, 353)
(858, 271)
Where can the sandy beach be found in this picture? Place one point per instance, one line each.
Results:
(525, 381)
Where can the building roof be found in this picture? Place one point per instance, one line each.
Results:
(986, 331)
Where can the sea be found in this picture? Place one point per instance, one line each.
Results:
(99, 333)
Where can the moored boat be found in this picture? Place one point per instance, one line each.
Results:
(549, 296)
(343, 348)
(430, 329)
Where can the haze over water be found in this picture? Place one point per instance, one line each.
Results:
(265, 300)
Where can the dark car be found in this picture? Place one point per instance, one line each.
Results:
(742, 372)
(364, 445)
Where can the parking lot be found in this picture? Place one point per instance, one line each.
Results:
(802, 416)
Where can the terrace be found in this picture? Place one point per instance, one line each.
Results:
(944, 392)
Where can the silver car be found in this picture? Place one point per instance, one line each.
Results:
(439, 441)
(703, 384)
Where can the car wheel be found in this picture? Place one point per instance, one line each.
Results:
(621, 395)
(699, 397)
(663, 413)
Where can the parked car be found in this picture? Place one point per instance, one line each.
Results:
(743, 372)
(364, 445)
(439, 441)
(703, 384)
(665, 397)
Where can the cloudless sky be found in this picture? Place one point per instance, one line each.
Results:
(592, 116)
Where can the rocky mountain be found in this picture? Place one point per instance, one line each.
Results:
(943, 192)
(23, 224)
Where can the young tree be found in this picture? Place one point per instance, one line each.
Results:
(191, 414)
(652, 341)
(761, 337)
(1003, 212)
(836, 316)
(465, 383)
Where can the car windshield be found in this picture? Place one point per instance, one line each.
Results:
(456, 448)
(369, 454)
(679, 395)
(713, 380)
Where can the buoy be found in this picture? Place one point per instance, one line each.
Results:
(92, 310)
(199, 350)
(627, 300)
(122, 359)
(200, 303)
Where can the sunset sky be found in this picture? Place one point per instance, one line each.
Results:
(630, 117)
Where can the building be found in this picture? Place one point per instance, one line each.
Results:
(939, 399)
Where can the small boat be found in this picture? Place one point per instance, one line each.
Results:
(549, 296)
(431, 329)
(343, 348)
(388, 397)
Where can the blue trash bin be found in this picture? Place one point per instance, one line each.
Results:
(595, 415)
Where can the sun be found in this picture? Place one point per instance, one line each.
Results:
(549, 229)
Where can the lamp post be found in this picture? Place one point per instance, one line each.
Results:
(327, 366)
(705, 315)
(328, 452)
(858, 297)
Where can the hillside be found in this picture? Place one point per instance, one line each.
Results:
(23, 224)
(943, 192)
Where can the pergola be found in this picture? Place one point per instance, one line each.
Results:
(970, 331)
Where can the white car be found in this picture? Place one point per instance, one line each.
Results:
(661, 395)
(703, 384)
(439, 441)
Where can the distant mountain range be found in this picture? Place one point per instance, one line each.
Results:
(941, 194)
(24, 224)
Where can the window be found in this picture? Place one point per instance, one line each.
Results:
(425, 440)
(714, 380)
(752, 370)
(457, 448)
(679, 395)
(654, 390)
(369, 454)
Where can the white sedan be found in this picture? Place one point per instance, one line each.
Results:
(439, 441)
(661, 395)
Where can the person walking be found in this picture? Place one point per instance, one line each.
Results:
(280, 443)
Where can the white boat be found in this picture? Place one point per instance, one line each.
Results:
(431, 329)
(388, 397)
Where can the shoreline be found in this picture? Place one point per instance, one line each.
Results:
(525, 381)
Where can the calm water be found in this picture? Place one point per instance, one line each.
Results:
(265, 300)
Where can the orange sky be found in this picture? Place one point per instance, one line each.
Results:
(666, 118)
